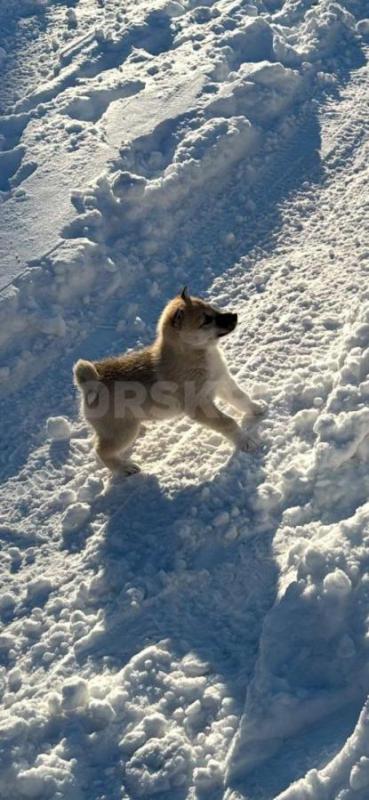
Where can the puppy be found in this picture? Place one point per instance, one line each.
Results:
(180, 373)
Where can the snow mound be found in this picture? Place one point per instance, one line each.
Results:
(58, 429)
(75, 515)
(346, 776)
(318, 664)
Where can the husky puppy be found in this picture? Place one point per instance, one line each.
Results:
(181, 372)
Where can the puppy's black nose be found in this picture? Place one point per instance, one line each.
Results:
(227, 321)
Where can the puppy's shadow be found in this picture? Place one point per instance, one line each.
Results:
(59, 453)
(185, 564)
(182, 564)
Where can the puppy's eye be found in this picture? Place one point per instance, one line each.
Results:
(207, 320)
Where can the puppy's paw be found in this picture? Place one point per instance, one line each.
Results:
(128, 468)
(247, 443)
(258, 409)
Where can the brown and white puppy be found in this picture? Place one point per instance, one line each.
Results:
(180, 373)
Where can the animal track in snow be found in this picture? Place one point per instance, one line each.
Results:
(10, 161)
(90, 107)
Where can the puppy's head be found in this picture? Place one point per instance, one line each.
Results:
(194, 322)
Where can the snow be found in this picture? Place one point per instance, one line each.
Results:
(75, 694)
(75, 515)
(198, 630)
(58, 429)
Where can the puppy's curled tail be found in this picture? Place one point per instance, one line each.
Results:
(84, 372)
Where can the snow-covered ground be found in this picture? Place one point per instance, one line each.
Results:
(200, 630)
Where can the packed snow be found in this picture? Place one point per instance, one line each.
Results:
(199, 630)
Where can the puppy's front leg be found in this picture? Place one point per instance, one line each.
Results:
(229, 390)
(211, 416)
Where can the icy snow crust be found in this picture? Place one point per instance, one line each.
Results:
(199, 630)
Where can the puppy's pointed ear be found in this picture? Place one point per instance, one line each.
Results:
(185, 296)
(177, 318)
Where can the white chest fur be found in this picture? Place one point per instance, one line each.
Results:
(216, 365)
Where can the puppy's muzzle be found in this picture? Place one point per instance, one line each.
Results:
(226, 323)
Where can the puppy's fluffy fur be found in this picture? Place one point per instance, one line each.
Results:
(180, 373)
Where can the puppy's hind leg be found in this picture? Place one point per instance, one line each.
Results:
(109, 447)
